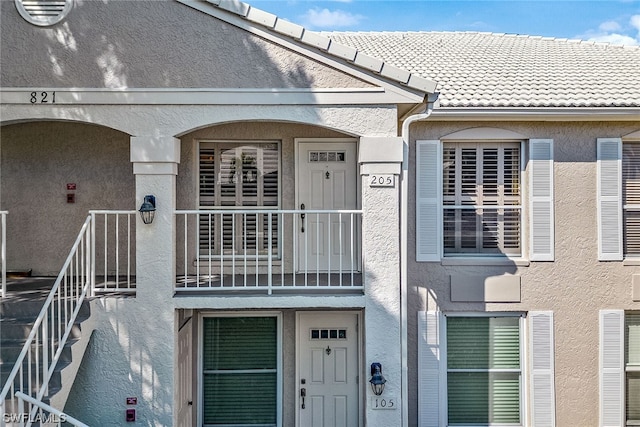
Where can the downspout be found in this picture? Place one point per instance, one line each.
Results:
(404, 217)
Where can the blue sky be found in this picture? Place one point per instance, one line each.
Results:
(613, 21)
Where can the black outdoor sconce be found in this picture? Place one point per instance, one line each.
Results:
(148, 209)
(377, 380)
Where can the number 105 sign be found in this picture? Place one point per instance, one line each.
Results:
(378, 402)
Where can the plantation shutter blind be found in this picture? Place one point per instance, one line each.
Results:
(483, 370)
(240, 370)
(542, 369)
(428, 200)
(631, 197)
(609, 199)
(632, 359)
(233, 176)
(429, 368)
(541, 200)
(611, 368)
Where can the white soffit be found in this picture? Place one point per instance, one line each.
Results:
(317, 47)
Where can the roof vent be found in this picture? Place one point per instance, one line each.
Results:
(43, 12)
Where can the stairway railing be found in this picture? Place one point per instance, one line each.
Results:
(50, 332)
(46, 415)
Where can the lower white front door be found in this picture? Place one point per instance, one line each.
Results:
(327, 377)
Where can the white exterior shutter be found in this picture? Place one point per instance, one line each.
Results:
(541, 200)
(543, 408)
(429, 368)
(610, 199)
(428, 200)
(611, 368)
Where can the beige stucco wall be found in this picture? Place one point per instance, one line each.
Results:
(38, 160)
(138, 44)
(575, 286)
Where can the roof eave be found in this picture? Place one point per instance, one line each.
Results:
(537, 113)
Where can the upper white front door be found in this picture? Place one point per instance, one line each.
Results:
(327, 180)
(328, 370)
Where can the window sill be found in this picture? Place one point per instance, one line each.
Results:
(500, 261)
(631, 261)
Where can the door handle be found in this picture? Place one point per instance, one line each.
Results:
(302, 216)
(303, 394)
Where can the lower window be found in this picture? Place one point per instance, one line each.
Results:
(240, 371)
(632, 368)
(484, 371)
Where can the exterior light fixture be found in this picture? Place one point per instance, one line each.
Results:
(148, 209)
(377, 380)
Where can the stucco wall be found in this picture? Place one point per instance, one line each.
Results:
(38, 160)
(575, 286)
(115, 44)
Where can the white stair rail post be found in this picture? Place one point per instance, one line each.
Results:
(3, 253)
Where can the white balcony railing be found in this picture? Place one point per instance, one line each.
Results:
(113, 254)
(269, 250)
(3, 252)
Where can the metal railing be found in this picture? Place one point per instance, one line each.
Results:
(268, 250)
(113, 256)
(3, 251)
(44, 345)
(44, 414)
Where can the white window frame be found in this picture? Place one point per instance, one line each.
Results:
(279, 362)
(237, 143)
(537, 199)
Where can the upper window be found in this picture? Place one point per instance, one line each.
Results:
(470, 198)
(481, 196)
(236, 176)
(631, 197)
(44, 12)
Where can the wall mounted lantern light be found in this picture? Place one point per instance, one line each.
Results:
(377, 380)
(148, 209)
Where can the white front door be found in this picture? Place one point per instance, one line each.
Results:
(327, 180)
(328, 370)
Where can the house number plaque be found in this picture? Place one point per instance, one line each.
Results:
(386, 402)
(42, 97)
(382, 180)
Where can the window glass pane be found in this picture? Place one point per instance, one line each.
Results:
(632, 339)
(239, 343)
(481, 175)
(633, 396)
(483, 342)
(245, 399)
(480, 398)
(240, 377)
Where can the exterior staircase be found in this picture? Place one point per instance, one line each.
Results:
(18, 311)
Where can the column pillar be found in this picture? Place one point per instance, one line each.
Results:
(155, 165)
(380, 160)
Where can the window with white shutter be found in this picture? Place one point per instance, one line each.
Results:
(481, 197)
(239, 176)
(610, 224)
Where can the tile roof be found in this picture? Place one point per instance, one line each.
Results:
(479, 70)
(502, 70)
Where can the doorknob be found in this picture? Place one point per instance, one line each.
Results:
(303, 394)
(302, 215)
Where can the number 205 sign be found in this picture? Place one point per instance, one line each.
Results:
(378, 402)
(382, 180)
